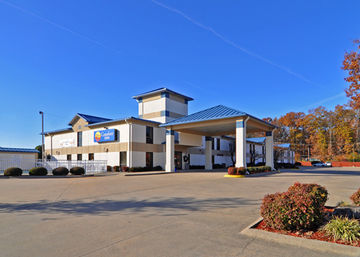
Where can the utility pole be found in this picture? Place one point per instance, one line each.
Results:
(42, 136)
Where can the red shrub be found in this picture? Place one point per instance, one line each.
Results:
(356, 198)
(315, 191)
(297, 209)
(232, 171)
(124, 168)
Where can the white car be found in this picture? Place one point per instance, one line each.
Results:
(319, 164)
(328, 164)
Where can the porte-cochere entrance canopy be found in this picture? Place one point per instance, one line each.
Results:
(219, 121)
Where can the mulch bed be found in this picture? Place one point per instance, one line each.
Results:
(317, 235)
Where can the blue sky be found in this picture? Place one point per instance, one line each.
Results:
(262, 57)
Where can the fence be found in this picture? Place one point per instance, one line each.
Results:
(91, 167)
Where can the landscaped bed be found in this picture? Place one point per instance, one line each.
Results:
(300, 212)
(317, 235)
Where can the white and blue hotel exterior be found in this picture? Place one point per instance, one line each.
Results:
(165, 135)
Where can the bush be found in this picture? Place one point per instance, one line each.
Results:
(124, 168)
(232, 171)
(344, 229)
(38, 171)
(60, 171)
(77, 171)
(108, 168)
(13, 172)
(356, 198)
(157, 168)
(240, 171)
(315, 191)
(297, 209)
(116, 168)
(297, 164)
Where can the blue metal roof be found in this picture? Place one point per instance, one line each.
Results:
(57, 131)
(256, 139)
(285, 145)
(18, 150)
(160, 90)
(116, 120)
(213, 113)
(92, 119)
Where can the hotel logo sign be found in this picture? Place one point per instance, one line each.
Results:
(107, 135)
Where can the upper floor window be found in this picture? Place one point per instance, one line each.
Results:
(218, 144)
(79, 138)
(149, 135)
(212, 143)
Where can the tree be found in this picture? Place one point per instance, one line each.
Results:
(351, 64)
(39, 148)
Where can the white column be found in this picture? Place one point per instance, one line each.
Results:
(208, 153)
(240, 144)
(269, 145)
(170, 150)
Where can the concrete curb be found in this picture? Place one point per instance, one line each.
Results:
(313, 244)
(147, 173)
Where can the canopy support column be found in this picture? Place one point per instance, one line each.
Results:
(170, 151)
(240, 143)
(208, 153)
(269, 149)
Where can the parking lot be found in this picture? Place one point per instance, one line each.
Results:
(182, 214)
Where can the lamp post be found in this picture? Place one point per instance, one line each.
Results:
(42, 136)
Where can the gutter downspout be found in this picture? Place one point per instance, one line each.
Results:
(129, 143)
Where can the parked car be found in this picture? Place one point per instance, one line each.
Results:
(328, 164)
(319, 164)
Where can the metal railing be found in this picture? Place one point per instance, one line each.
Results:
(91, 167)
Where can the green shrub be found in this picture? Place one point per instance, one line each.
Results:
(60, 171)
(240, 171)
(157, 168)
(297, 209)
(116, 168)
(13, 171)
(124, 168)
(344, 229)
(38, 171)
(356, 198)
(77, 171)
(108, 168)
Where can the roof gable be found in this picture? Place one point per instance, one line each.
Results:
(159, 91)
(90, 119)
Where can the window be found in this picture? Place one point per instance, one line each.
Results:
(218, 144)
(68, 157)
(212, 143)
(91, 156)
(149, 159)
(79, 138)
(149, 135)
(123, 159)
(79, 157)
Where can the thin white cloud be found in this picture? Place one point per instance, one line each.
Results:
(325, 100)
(232, 43)
(57, 25)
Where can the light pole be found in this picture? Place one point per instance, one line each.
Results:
(42, 136)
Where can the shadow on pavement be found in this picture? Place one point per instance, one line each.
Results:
(102, 207)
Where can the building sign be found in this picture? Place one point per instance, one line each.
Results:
(67, 142)
(107, 135)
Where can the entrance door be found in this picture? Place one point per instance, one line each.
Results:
(178, 160)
